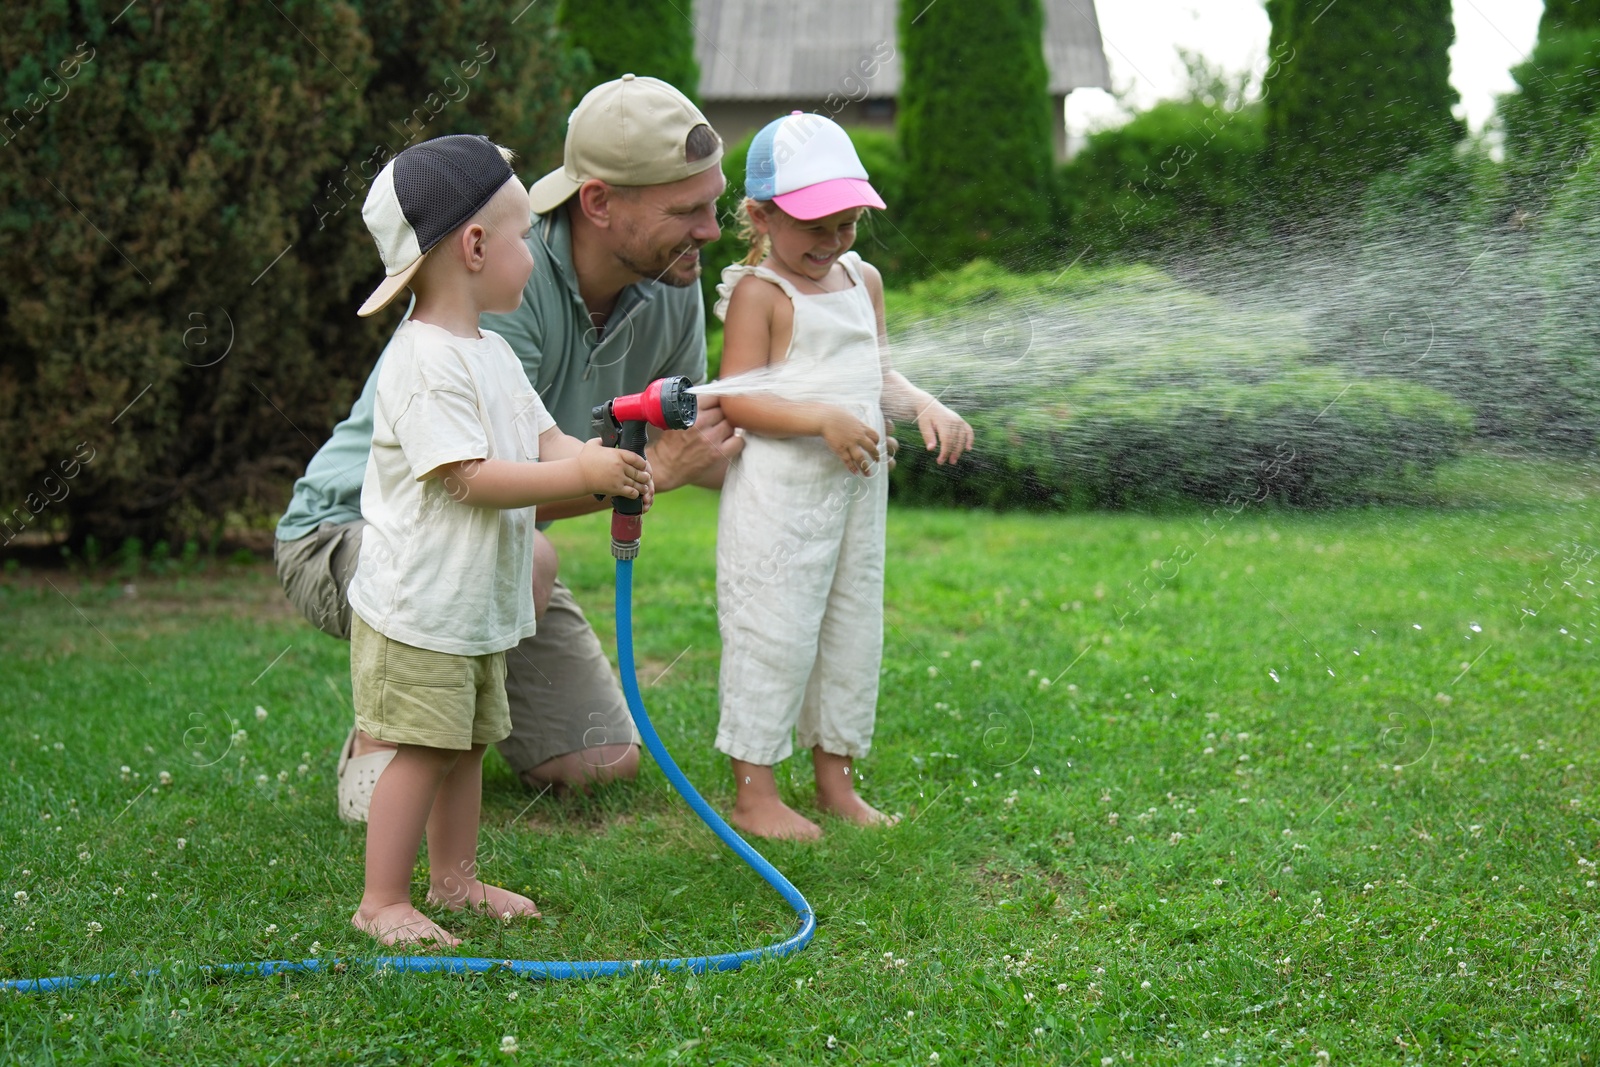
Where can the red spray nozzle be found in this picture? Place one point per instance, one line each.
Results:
(665, 404)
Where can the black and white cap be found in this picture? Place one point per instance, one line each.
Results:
(420, 196)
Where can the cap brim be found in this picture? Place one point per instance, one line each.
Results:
(551, 191)
(392, 287)
(828, 198)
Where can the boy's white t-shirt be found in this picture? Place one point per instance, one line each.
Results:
(433, 572)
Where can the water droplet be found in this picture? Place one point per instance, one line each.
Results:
(1475, 628)
(1274, 675)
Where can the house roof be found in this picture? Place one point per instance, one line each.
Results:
(782, 50)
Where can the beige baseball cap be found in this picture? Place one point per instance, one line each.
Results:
(630, 131)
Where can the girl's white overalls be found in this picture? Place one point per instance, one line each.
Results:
(800, 546)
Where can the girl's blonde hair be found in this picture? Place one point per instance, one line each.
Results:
(760, 244)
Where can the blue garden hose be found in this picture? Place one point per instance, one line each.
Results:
(726, 961)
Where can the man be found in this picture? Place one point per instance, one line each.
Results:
(613, 303)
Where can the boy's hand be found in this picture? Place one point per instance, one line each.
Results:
(613, 471)
(944, 429)
(853, 441)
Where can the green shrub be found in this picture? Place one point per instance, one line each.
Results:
(185, 250)
(1120, 388)
(1547, 127)
(651, 38)
(1566, 264)
(1181, 174)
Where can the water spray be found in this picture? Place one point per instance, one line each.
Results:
(667, 404)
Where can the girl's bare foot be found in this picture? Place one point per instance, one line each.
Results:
(401, 924)
(851, 806)
(771, 817)
(836, 791)
(481, 896)
(760, 812)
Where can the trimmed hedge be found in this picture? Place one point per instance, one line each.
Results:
(185, 250)
(1119, 388)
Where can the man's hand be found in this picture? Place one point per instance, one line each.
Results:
(698, 455)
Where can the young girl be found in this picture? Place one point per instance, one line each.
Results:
(800, 535)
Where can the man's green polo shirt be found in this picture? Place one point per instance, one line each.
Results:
(655, 330)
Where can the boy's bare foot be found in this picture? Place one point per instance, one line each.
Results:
(851, 806)
(402, 924)
(771, 817)
(481, 896)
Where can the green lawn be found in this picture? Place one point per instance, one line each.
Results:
(1298, 783)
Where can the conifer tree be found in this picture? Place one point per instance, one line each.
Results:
(1357, 87)
(975, 127)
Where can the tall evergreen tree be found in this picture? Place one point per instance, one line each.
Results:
(652, 38)
(975, 127)
(1357, 88)
(1558, 91)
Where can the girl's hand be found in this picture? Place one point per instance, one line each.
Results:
(853, 441)
(613, 471)
(944, 429)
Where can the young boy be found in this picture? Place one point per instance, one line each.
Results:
(444, 581)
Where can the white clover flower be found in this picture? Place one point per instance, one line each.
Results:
(933, 1057)
(182, 843)
(316, 947)
(508, 1045)
(261, 713)
(283, 776)
(833, 1042)
(83, 857)
(302, 769)
(1174, 837)
(1144, 985)
(976, 664)
(511, 995)
(240, 736)
(165, 777)
(1208, 751)
(272, 928)
(117, 892)
(261, 779)
(933, 672)
(1061, 987)
(94, 928)
(1216, 881)
(21, 897)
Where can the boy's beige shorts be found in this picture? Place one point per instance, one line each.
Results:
(416, 696)
(561, 690)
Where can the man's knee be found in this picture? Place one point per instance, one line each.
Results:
(586, 767)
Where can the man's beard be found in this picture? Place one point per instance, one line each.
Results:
(662, 266)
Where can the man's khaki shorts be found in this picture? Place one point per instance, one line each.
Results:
(416, 696)
(560, 689)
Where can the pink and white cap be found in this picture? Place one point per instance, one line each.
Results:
(807, 165)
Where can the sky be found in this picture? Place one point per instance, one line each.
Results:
(1142, 38)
